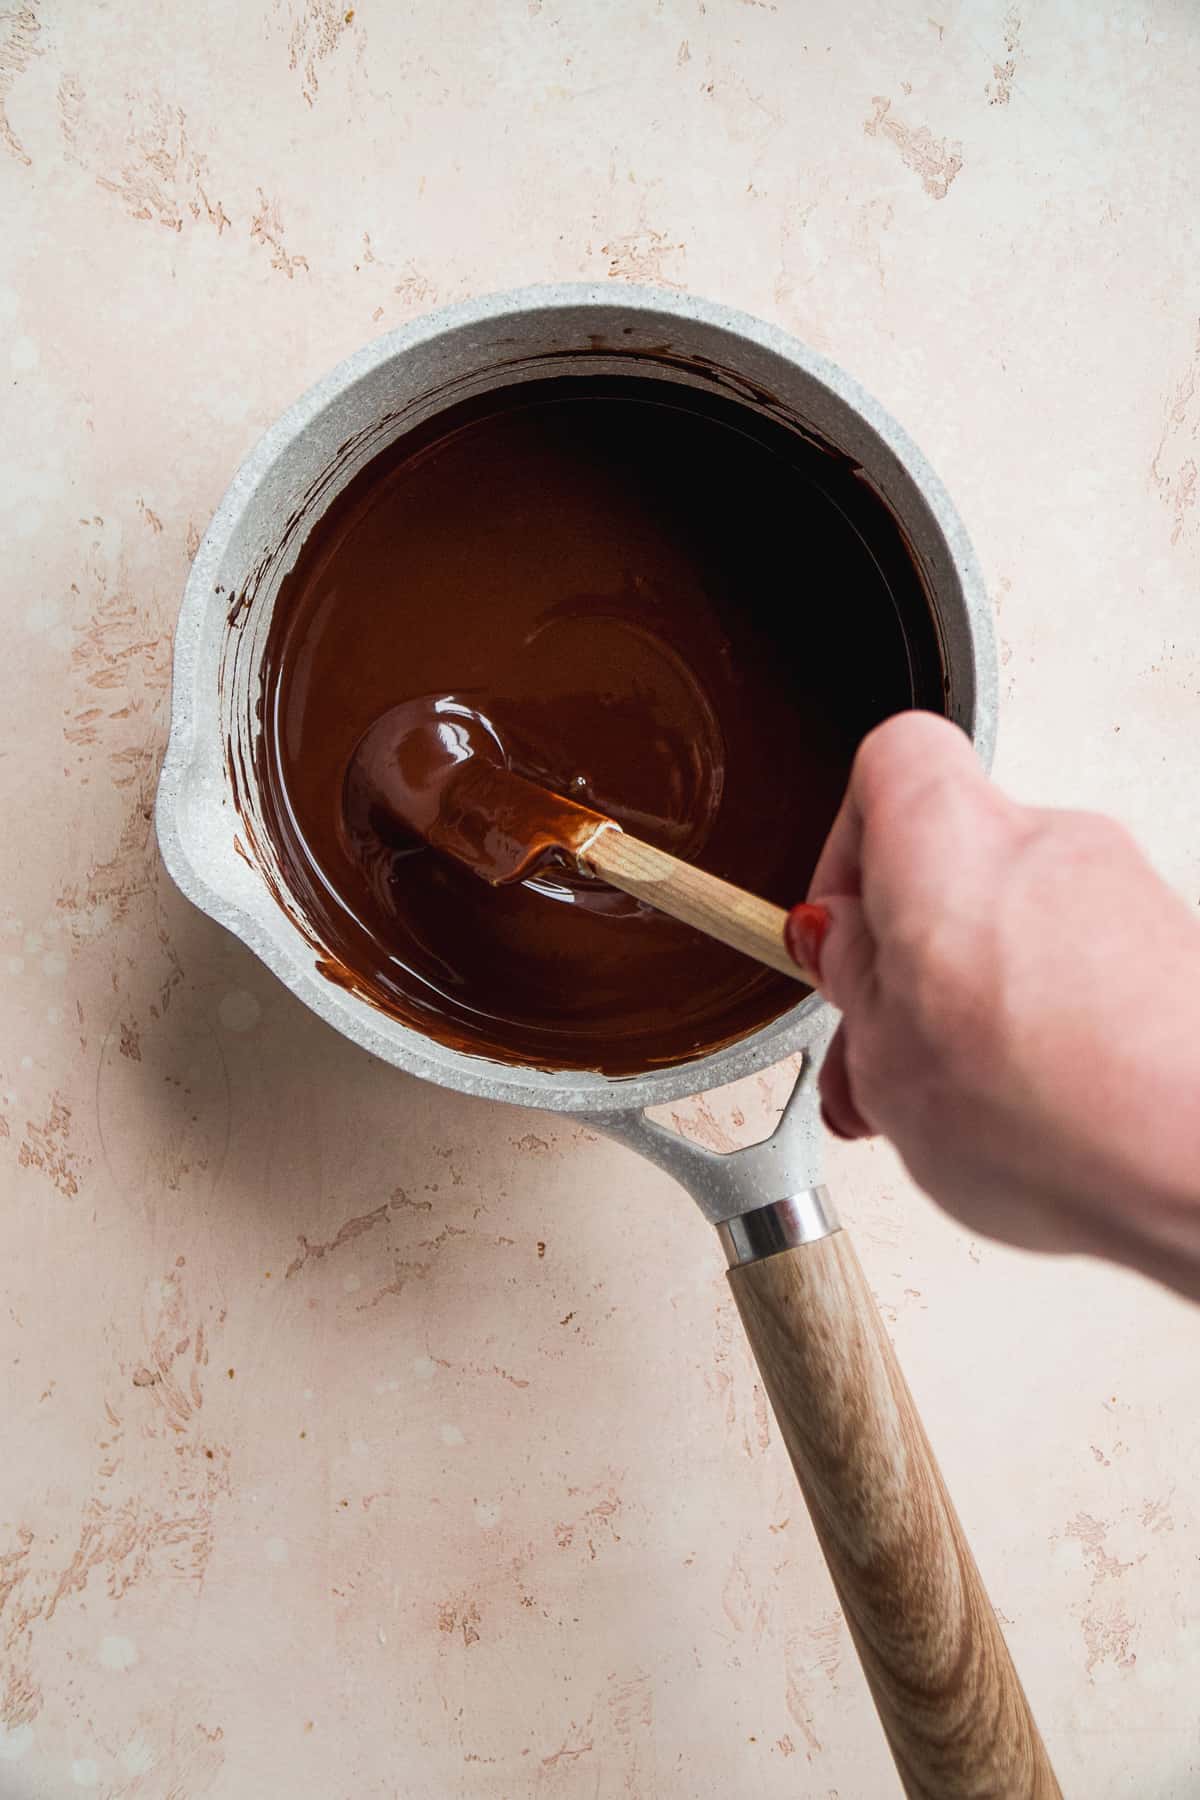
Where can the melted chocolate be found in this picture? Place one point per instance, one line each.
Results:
(673, 611)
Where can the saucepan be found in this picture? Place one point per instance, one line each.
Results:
(948, 1697)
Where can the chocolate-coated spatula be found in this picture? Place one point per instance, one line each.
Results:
(443, 778)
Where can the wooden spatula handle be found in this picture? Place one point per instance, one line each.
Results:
(713, 906)
(947, 1693)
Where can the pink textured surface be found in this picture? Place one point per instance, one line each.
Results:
(363, 1440)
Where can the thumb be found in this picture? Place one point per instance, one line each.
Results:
(831, 937)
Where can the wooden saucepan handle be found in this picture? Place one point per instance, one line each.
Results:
(954, 1711)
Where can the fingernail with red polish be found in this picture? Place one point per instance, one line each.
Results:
(804, 934)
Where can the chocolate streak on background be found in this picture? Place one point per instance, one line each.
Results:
(671, 609)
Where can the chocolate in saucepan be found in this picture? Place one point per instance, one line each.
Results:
(650, 599)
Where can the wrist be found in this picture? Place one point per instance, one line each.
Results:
(1152, 1195)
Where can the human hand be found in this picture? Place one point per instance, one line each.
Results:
(1021, 1001)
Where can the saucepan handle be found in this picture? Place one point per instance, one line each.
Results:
(940, 1673)
(947, 1693)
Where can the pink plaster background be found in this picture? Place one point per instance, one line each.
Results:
(360, 1440)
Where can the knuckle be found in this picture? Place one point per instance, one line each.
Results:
(910, 751)
(1099, 833)
(1070, 845)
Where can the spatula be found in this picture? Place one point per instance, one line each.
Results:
(441, 775)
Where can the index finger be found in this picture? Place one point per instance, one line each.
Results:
(839, 866)
(893, 764)
(918, 788)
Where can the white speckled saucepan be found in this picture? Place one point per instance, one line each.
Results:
(946, 1691)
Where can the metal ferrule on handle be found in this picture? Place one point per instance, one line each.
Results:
(801, 1218)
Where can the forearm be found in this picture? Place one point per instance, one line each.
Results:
(1109, 1149)
(1148, 1109)
(1153, 1216)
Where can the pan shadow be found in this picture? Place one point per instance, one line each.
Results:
(423, 1309)
(222, 1099)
